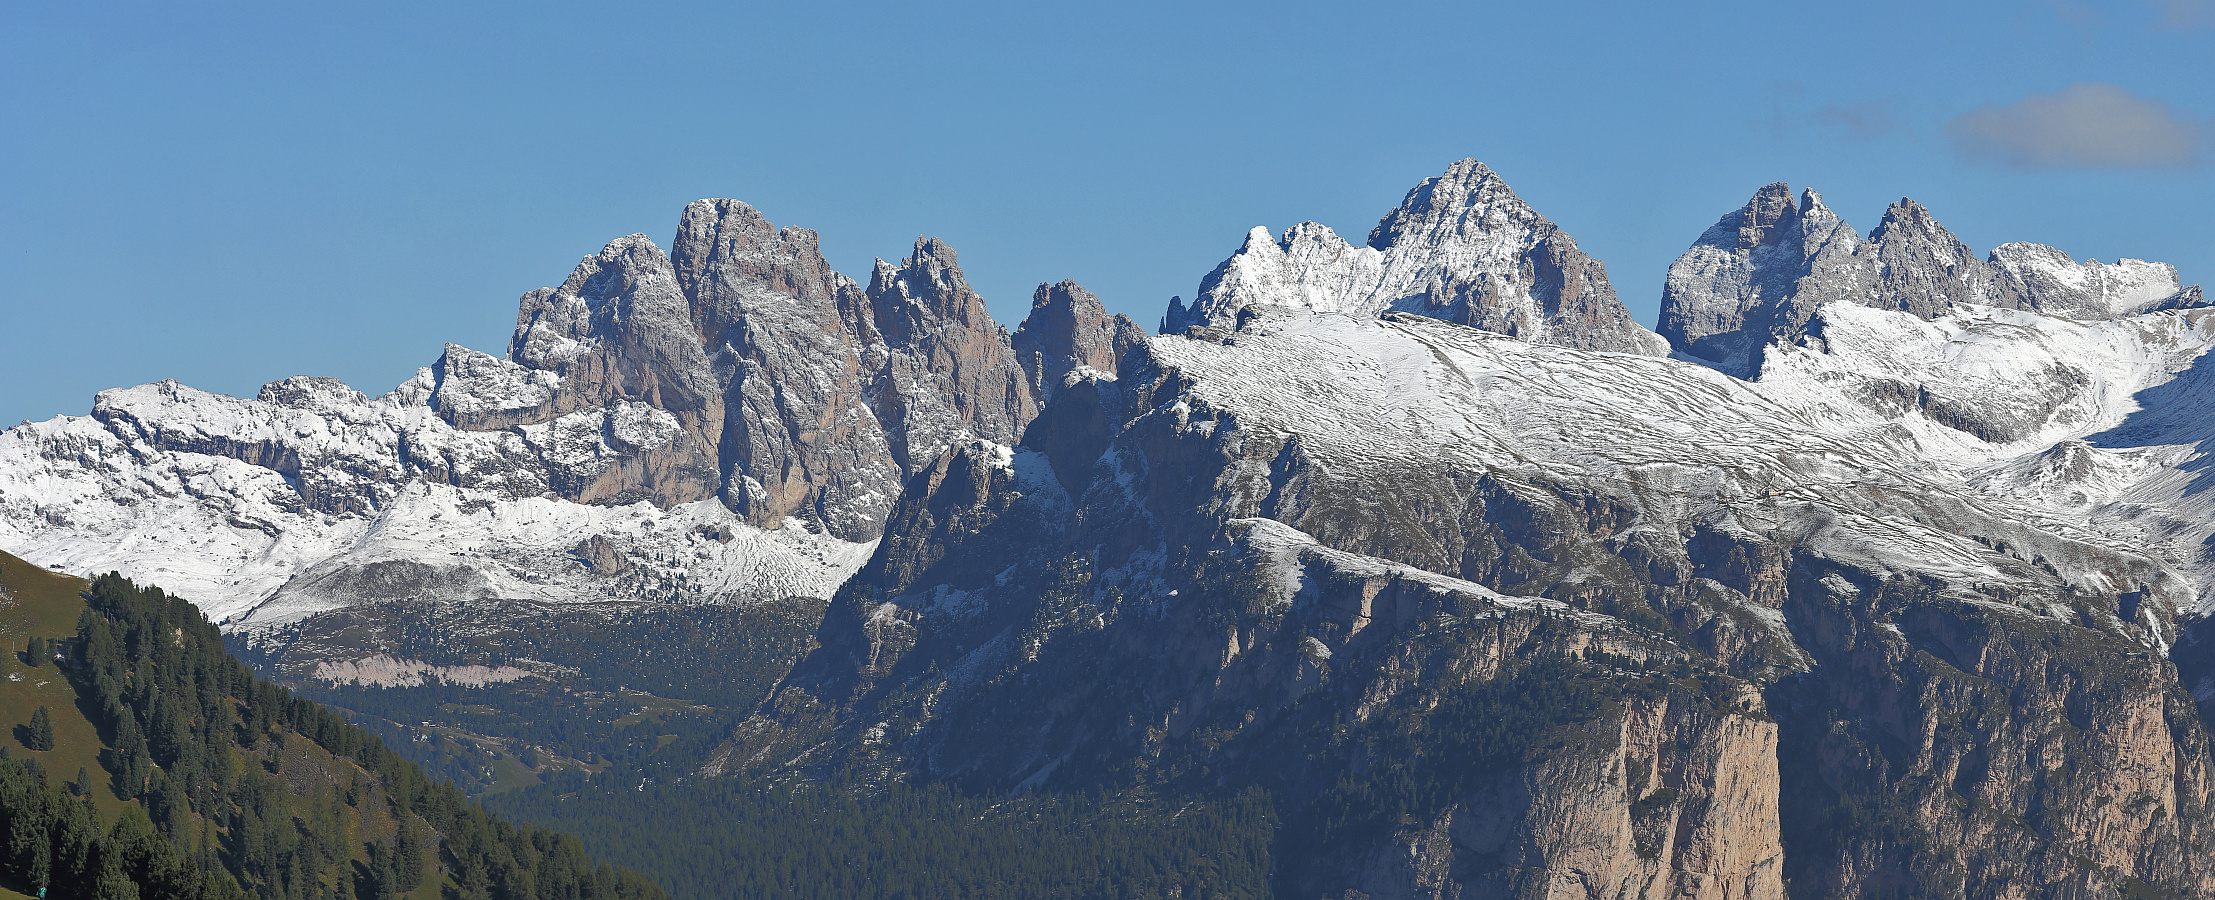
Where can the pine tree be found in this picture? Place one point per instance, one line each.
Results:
(37, 652)
(409, 858)
(83, 785)
(115, 883)
(42, 731)
(384, 881)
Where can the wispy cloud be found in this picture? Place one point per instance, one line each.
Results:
(2088, 125)
(2186, 15)
(2077, 16)
(1864, 121)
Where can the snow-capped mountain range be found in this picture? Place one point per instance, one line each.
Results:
(736, 417)
(727, 423)
(1870, 524)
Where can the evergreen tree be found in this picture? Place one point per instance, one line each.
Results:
(39, 652)
(156, 677)
(42, 731)
(384, 880)
(83, 785)
(408, 858)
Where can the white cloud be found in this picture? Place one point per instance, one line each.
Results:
(2086, 124)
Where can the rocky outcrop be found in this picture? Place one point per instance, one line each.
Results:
(1462, 247)
(1068, 330)
(1763, 272)
(796, 393)
(946, 370)
(1707, 667)
(620, 330)
(789, 337)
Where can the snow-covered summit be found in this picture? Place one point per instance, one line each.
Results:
(726, 422)
(1461, 247)
(313, 496)
(1761, 273)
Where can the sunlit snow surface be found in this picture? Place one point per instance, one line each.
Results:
(467, 512)
(1853, 441)
(1879, 436)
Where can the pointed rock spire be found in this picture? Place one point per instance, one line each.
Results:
(945, 371)
(1924, 269)
(1067, 329)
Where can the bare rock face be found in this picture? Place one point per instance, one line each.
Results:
(788, 337)
(741, 366)
(1068, 330)
(945, 370)
(1461, 247)
(1762, 273)
(617, 339)
(1505, 636)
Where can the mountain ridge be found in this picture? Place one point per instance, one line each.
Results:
(1822, 585)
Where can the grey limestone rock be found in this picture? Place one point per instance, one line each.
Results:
(945, 370)
(1760, 276)
(788, 336)
(792, 391)
(1068, 329)
(1461, 247)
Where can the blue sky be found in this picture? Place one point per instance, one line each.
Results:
(229, 193)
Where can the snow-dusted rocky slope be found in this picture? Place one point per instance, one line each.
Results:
(1765, 270)
(1929, 549)
(2068, 390)
(312, 497)
(1461, 247)
(1253, 547)
(728, 423)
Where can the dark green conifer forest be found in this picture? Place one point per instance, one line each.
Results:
(243, 790)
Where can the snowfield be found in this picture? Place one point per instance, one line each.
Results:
(314, 496)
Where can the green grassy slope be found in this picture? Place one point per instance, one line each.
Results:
(36, 602)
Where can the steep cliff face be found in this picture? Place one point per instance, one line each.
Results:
(1068, 330)
(1461, 247)
(797, 393)
(945, 371)
(1302, 554)
(1764, 271)
(789, 336)
(731, 387)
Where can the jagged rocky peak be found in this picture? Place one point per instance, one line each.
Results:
(796, 392)
(2052, 282)
(733, 263)
(1763, 272)
(948, 370)
(1924, 269)
(1464, 205)
(924, 293)
(1726, 295)
(1767, 218)
(788, 336)
(1461, 247)
(1068, 330)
